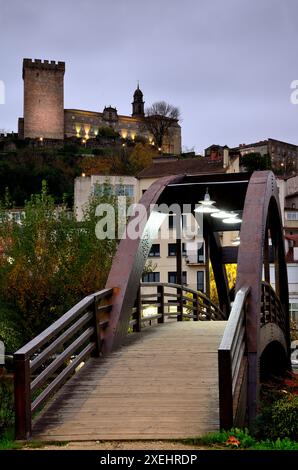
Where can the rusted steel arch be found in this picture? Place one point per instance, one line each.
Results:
(127, 268)
(261, 212)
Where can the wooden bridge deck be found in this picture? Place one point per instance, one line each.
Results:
(162, 384)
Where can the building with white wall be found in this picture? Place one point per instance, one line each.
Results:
(163, 252)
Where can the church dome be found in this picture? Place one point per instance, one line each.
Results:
(138, 94)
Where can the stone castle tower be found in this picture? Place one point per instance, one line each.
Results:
(43, 99)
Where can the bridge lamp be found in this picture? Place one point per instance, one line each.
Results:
(236, 241)
(206, 205)
(221, 215)
(232, 219)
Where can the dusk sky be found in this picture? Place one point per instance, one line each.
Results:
(227, 64)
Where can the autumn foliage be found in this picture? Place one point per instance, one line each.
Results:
(49, 261)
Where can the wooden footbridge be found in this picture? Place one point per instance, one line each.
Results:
(106, 370)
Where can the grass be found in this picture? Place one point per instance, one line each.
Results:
(241, 439)
(7, 442)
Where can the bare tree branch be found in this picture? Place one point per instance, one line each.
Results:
(159, 118)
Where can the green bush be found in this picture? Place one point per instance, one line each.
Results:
(10, 329)
(51, 262)
(279, 444)
(221, 437)
(285, 417)
(6, 404)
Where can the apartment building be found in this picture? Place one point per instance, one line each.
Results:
(162, 257)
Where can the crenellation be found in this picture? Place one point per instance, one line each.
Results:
(43, 65)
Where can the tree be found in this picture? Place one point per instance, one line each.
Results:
(159, 118)
(231, 270)
(255, 161)
(141, 157)
(50, 261)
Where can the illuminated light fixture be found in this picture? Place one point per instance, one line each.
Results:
(206, 205)
(236, 241)
(83, 175)
(83, 141)
(232, 219)
(221, 215)
(123, 145)
(41, 139)
(152, 143)
(159, 149)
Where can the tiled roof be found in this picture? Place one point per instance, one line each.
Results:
(189, 166)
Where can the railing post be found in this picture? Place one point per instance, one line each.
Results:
(225, 389)
(161, 301)
(138, 315)
(22, 397)
(195, 307)
(180, 304)
(96, 338)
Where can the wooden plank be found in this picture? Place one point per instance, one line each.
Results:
(164, 385)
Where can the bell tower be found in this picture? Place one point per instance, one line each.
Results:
(138, 103)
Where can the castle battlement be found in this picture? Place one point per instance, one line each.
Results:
(38, 64)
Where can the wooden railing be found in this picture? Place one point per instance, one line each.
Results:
(46, 362)
(271, 309)
(171, 300)
(232, 364)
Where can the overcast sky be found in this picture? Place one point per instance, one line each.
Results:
(227, 64)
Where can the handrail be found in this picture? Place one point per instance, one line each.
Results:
(231, 360)
(197, 306)
(273, 306)
(73, 338)
(185, 288)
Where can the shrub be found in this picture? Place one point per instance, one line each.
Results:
(279, 444)
(50, 261)
(6, 404)
(285, 417)
(10, 328)
(224, 437)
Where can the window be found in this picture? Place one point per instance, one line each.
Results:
(201, 257)
(172, 249)
(292, 215)
(294, 312)
(124, 190)
(171, 221)
(151, 277)
(155, 251)
(172, 277)
(200, 281)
